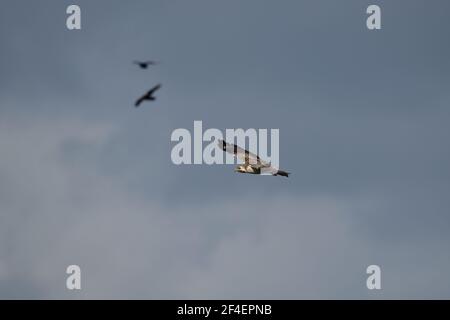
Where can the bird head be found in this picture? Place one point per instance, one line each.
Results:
(240, 169)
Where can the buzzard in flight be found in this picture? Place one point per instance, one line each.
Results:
(252, 162)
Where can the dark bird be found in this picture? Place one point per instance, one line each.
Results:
(148, 96)
(145, 64)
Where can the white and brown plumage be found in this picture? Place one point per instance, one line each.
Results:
(252, 162)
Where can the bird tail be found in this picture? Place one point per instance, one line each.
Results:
(283, 173)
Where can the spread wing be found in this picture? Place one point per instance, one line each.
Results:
(139, 101)
(152, 90)
(242, 154)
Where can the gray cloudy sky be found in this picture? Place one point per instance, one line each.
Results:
(86, 179)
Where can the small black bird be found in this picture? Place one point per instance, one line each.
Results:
(148, 96)
(145, 64)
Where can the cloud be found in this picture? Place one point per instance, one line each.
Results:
(86, 179)
(60, 211)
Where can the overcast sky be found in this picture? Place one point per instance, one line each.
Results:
(87, 179)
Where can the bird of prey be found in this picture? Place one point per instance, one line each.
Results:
(145, 64)
(148, 96)
(252, 162)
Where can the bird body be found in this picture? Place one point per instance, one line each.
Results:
(252, 169)
(144, 64)
(247, 169)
